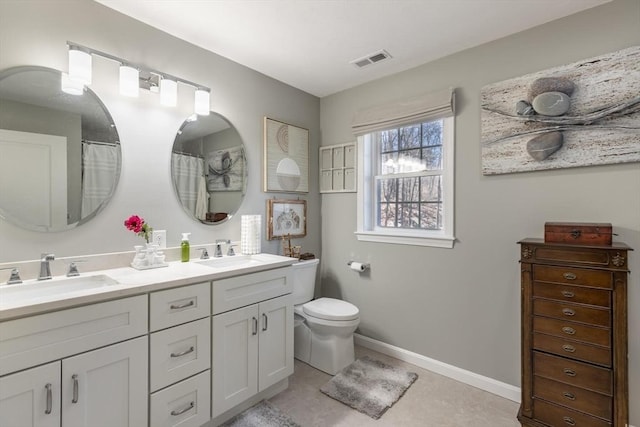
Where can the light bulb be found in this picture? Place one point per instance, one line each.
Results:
(129, 77)
(80, 66)
(201, 104)
(168, 92)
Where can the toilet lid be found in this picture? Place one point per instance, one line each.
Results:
(331, 309)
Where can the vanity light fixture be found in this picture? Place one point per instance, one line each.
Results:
(71, 86)
(132, 77)
(129, 77)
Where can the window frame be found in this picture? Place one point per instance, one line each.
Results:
(366, 196)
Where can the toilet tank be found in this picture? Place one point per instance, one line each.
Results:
(304, 280)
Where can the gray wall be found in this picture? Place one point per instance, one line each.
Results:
(36, 32)
(461, 306)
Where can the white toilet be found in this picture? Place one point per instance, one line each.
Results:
(323, 334)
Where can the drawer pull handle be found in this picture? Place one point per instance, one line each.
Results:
(179, 306)
(568, 294)
(568, 312)
(569, 372)
(569, 348)
(569, 396)
(49, 399)
(569, 330)
(569, 276)
(183, 410)
(570, 421)
(255, 326)
(74, 377)
(576, 233)
(265, 324)
(182, 353)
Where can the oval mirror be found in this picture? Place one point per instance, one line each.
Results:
(61, 158)
(208, 168)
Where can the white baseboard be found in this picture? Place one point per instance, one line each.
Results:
(499, 388)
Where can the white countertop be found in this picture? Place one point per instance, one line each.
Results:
(133, 282)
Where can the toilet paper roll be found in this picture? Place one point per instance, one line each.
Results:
(358, 266)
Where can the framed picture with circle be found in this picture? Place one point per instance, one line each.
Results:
(286, 218)
(286, 157)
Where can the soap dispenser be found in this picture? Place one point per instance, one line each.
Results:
(184, 247)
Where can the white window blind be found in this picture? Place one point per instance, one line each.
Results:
(431, 106)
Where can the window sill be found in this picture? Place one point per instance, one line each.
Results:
(445, 242)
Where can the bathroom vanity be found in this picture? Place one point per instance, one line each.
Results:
(192, 344)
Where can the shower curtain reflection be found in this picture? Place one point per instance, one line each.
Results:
(100, 163)
(190, 183)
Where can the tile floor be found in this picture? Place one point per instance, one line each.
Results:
(432, 401)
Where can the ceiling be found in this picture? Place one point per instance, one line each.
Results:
(310, 44)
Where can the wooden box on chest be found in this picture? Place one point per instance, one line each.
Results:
(574, 334)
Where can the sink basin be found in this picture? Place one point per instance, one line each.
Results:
(34, 290)
(245, 261)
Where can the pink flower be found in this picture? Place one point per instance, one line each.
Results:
(138, 226)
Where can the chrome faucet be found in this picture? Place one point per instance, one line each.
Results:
(230, 251)
(15, 275)
(45, 268)
(204, 254)
(218, 252)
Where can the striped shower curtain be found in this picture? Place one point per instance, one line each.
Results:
(188, 178)
(100, 164)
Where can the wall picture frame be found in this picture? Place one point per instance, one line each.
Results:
(286, 157)
(286, 218)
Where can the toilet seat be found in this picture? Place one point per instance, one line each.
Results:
(331, 309)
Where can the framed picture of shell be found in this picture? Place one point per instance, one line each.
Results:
(582, 114)
(286, 218)
(286, 157)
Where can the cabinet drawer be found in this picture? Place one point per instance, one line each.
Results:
(555, 415)
(235, 292)
(572, 349)
(38, 339)
(573, 276)
(577, 294)
(179, 352)
(575, 313)
(572, 330)
(573, 372)
(180, 305)
(577, 398)
(186, 404)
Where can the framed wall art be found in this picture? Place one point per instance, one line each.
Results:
(286, 218)
(225, 169)
(286, 157)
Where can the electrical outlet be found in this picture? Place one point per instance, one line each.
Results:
(160, 238)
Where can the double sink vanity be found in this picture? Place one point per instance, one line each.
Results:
(189, 344)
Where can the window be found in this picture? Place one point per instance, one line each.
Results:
(405, 186)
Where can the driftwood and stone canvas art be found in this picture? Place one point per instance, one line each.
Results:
(581, 114)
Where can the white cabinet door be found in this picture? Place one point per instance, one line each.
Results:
(31, 398)
(106, 387)
(275, 360)
(235, 351)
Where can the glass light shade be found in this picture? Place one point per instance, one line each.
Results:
(80, 66)
(71, 86)
(168, 92)
(129, 77)
(201, 105)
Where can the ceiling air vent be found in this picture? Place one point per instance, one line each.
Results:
(370, 59)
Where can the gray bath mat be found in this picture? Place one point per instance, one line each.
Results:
(262, 414)
(369, 386)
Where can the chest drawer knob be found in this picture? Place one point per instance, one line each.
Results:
(569, 330)
(569, 372)
(568, 312)
(568, 294)
(182, 353)
(569, 276)
(569, 396)
(569, 348)
(569, 421)
(190, 406)
(180, 306)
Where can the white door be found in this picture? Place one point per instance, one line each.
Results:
(235, 352)
(106, 387)
(275, 361)
(33, 178)
(31, 398)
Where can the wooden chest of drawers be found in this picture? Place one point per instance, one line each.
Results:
(574, 334)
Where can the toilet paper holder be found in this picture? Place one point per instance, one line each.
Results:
(358, 266)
